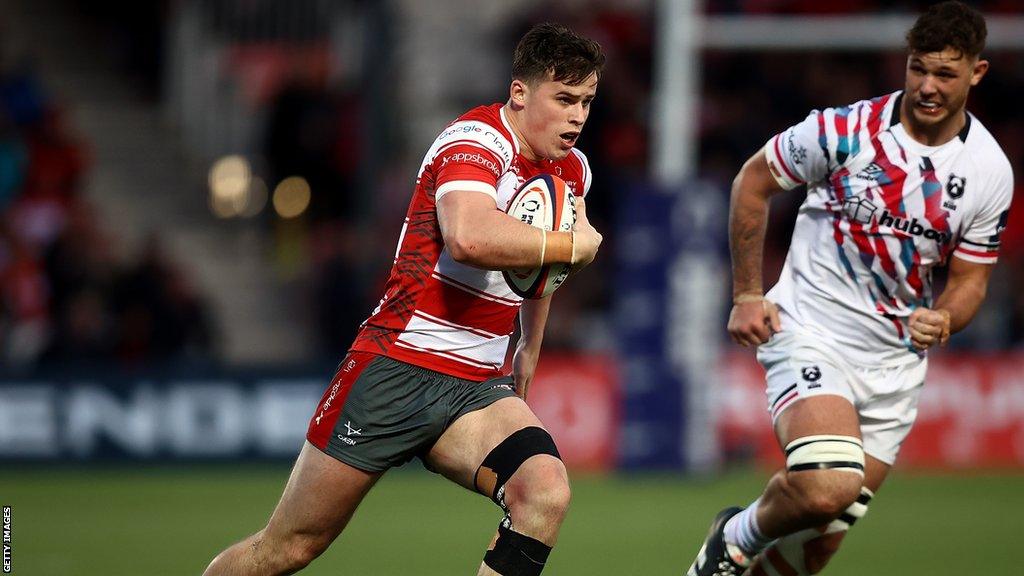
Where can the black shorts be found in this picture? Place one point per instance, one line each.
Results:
(379, 412)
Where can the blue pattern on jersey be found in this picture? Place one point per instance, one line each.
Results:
(843, 144)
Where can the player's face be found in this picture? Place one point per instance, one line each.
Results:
(937, 85)
(553, 114)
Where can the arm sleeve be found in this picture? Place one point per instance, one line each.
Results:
(980, 243)
(468, 167)
(586, 175)
(799, 155)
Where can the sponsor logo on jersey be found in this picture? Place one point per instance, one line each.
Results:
(871, 172)
(497, 141)
(459, 129)
(797, 153)
(913, 227)
(474, 158)
(859, 209)
(334, 392)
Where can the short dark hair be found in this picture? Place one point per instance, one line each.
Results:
(556, 49)
(949, 25)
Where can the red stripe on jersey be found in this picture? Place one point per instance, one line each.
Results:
(899, 327)
(321, 425)
(888, 264)
(856, 229)
(472, 290)
(782, 161)
(877, 109)
(896, 321)
(463, 308)
(892, 195)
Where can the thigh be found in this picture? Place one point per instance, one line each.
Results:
(321, 495)
(825, 414)
(462, 448)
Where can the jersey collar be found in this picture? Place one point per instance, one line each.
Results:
(895, 119)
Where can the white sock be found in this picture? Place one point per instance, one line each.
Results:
(742, 531)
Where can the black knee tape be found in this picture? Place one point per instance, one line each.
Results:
(516, 554)
(508, 456)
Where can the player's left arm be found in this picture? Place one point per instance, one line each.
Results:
(955, 307)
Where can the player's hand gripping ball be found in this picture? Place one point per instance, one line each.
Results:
(544, 202)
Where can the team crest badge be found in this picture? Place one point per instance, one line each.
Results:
(811, 373)
(955, 186)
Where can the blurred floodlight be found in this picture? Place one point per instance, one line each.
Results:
(229, 180)
(291, 197)
(257, 198)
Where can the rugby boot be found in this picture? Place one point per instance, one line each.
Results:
(716, 558)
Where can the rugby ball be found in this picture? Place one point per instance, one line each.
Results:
(544, 202)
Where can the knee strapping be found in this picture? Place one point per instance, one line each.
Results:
(825, 452)
(507, 457)
(855, 512)
(516, 554)
(797, 554)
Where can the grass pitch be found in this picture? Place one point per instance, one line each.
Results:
(156, 522)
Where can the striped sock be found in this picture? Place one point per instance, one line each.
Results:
(742, 531)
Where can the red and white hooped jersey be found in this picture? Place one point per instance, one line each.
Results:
(438, 313)
(881, 211)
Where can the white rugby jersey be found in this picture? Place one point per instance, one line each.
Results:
(438, 313)
(881, 211)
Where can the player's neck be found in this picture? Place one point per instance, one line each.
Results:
(512, 113)
(935, 135)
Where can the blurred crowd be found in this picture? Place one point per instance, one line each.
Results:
(69, 297)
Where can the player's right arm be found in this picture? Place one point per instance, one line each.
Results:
(476, 233)
(753, 319)
(790, 159)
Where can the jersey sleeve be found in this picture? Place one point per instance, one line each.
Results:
(980, 242)
(469, 155)
(465, 167)
(799, 154)
(586, 175)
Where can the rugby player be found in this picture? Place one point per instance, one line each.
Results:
(896, 186)
(424, 376)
